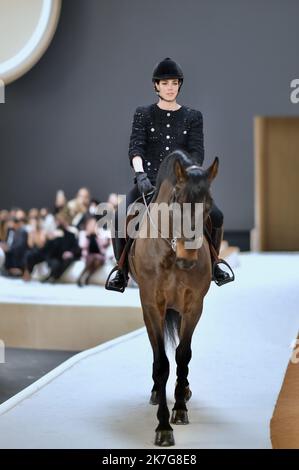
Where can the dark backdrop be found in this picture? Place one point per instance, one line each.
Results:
(67, 122)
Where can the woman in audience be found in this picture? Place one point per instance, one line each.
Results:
(79, 208)
(63, 249)
(93, 246)
(36, 241)
(4, 216)
(47, 219)
(60, 201)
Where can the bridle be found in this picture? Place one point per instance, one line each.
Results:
(173, 198)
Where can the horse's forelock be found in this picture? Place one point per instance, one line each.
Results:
(196, 186)
(167, 167)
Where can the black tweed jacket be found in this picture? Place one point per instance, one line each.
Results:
(157, 132)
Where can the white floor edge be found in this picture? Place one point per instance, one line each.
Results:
(241, 348)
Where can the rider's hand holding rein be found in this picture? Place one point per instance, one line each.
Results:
(143, 183)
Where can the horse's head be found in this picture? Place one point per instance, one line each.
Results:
(190, 185)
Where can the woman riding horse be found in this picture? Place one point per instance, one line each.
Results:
(159, 129)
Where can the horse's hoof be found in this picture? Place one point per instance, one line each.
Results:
(164, 438)
(188, 394)
(179, 417)
(154, 399)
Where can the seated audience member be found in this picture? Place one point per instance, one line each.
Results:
(37, 238)
(16, 245)
(93, 206)
(93, 245)
(113, 199)
(79, 208)
(60, 201)
(33, 212)
(4, 216)
(63, 249)
(47, 221)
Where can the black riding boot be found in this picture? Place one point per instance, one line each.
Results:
(219, 276)
(120, 280)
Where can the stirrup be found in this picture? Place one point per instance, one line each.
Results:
(224, 281)
(117, 289)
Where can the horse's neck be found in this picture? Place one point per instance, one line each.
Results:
(165, 191)
(150, 220)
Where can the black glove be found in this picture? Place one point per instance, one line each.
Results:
(143, 182)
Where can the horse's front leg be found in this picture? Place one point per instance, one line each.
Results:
(183, 357)
(155, 327)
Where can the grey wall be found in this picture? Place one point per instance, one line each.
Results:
(67, 122)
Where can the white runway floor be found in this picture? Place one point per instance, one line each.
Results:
(241, 349)
(19, 292)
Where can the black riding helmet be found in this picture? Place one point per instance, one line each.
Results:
(168, 68)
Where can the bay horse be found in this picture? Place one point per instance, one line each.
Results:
(173, 282)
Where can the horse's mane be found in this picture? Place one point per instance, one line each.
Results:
(197, 185)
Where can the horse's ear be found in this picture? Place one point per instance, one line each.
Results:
(180, 172)
(213, 170)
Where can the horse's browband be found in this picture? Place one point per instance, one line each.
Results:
(192, 167)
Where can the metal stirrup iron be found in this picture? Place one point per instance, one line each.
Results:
(218, 261)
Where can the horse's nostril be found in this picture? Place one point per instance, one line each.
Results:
(183, 263)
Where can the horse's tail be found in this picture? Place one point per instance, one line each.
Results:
(172, 326)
